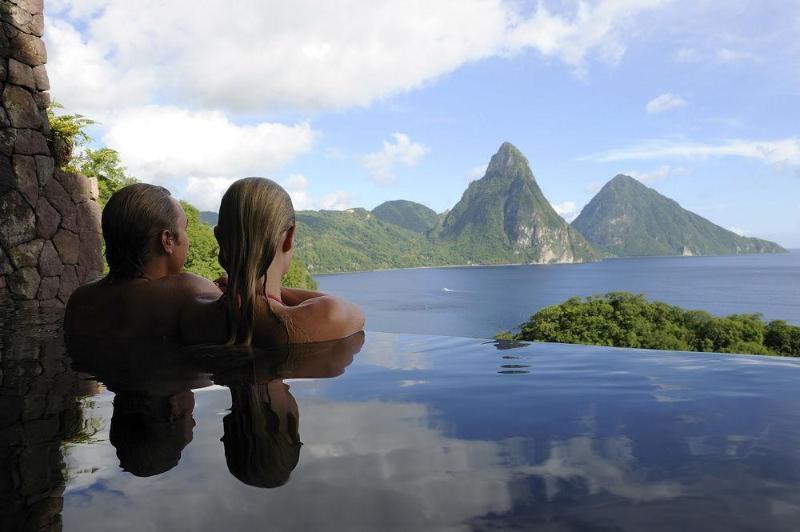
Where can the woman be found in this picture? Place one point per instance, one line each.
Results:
(255, 232)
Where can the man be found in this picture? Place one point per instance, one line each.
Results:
(144, 229)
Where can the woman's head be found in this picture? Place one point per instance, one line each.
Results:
(139, 221)
(255, 227)
(261, 434)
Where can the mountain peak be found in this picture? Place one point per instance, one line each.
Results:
(504, 216)
(507, 159)
(408, 214)
(627, 218)
(623, 179)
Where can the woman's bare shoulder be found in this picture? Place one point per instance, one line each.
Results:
(321, 318)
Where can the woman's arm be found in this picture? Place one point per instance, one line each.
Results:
(324, 318)
(294, 296)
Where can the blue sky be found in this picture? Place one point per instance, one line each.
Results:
(350, 104)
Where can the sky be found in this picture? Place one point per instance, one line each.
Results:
(352, 103)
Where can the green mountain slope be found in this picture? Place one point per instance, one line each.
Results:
(209, 217)
(504, 218)
(627, 219)
(413, 216)
(355, 239)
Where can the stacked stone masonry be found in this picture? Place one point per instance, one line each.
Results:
(49, 219)
(40, 413)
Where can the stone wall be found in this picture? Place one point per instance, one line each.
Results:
(39, 413)
(49, 219)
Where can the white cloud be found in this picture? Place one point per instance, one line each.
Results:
(662, 172)
(205, 193)
(403, 151)
(785, 151)
(295, 182)
(593, 187)
(476, 172)
(308, 54)
(722, 56)
(166, 144)
(738, 230)
(688, 55)
(726, 55)
(567, 210)
(297, 187)
(600, 27)
(335, 201)
(84, 79)
(665, 102)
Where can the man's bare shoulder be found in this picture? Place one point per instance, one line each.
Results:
(193, 284)
(87, 291)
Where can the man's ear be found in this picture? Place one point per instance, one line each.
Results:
(288, 242)
(167, 241)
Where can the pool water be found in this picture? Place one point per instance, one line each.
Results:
(392, 432)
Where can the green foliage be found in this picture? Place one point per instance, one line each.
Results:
(351, 240)
(505, 335)
(298, 277)
(408, 214)
(782, 338)
(626, 219)
(203, 248)
(104, 164)
(622, 319)
(71, 128)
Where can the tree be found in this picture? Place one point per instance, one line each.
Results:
(782, 338)
(68, 132)
(105, 165)
(622, 319)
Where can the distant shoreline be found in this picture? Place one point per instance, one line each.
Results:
(788, 251)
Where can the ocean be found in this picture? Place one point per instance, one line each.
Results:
(479, 301)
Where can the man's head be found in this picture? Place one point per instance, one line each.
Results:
(142, 223)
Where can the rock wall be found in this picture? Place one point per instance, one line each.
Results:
(50, 237)
(39, 413)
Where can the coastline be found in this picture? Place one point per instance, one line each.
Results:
(788, 251)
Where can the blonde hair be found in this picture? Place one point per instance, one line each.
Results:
(253, 215)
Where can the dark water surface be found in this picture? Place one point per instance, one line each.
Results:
(404, 432)
(481, 301)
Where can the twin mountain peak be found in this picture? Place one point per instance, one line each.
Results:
(504, 218)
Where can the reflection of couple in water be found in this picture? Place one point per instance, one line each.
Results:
(147, 294)
(153, 405)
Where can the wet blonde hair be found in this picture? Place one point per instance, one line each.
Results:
(253, 215)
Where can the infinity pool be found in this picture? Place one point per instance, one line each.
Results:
(392, 432)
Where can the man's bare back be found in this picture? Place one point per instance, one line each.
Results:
(134, 308)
